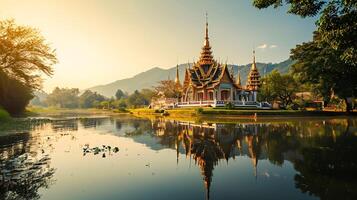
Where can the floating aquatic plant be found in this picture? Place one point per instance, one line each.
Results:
(96, 150)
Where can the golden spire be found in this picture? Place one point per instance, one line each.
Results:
(254, 65)
(206, 57)
(177, 79)
(206, 42)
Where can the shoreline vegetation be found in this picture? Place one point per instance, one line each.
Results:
(236, 113)
(39, 115)
(35, 111)
(43, 112)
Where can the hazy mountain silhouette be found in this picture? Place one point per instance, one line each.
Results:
(149, 78)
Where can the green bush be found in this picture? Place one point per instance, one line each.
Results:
(121, 109)
(298, 104)
(4, 115)
(199, 111)
(229, 106)
(292, 107)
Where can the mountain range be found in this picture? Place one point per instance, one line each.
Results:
(151, 77)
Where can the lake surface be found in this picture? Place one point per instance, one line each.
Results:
(159, 159)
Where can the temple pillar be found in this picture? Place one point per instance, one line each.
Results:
(219, 94)
(231, 96)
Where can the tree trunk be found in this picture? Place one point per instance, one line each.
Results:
(4, 85)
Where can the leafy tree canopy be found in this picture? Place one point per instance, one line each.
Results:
(278, 87)
(168, 89)
(24, 54)
(90, 99)
(337, 24)
(64, 97)
(137, 99)
(119, 94)
(319, 64)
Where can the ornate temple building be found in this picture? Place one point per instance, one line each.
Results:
(210, 83)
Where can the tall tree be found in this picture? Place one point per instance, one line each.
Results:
(337, 24)
(278, 87)
(137, 99)
(24, 56)
(119, 94)
(89, 99)
(329, 62)
(64, 98)
(148, 94)
(319, 64)
(168, 88)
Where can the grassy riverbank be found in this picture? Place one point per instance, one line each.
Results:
(54, 112)
(233, 113)
(36, 116)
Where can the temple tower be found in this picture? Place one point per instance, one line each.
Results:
(206, 57)
(253, 81)
(177, 79)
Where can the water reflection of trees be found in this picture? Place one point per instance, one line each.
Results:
(23, 125)
(93, 122)
(139, 126)
(329, 167)
(24, 168)
(64, 125)
(319, 150)
(322, 152)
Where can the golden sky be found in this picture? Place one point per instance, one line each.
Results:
(100, 41)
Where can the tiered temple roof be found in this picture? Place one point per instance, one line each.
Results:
(206, 72)
(201, 78)
(253, 81)
(206, 57)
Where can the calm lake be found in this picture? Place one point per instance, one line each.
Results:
(123, 157)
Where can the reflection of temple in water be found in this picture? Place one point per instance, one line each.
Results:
(322, 152)
(302, 143)
(208, 144)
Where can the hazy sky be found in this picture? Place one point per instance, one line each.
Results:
(100, 41)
